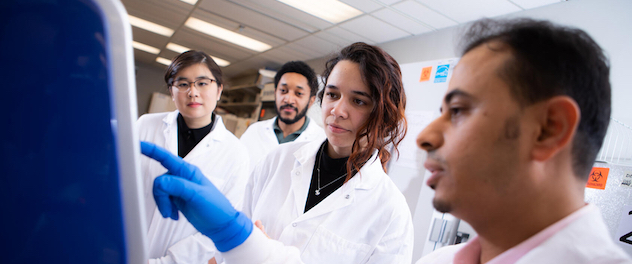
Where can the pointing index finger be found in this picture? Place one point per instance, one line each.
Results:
(172, 163)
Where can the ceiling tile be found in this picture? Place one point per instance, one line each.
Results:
(286, 14)
(211, 45)
(169, 54)
(340, 42)
(396, 19)
(423, 14)
(206, 48)
(374, 29)
(346, 34)
(284, 54)
(307, 52)
(389, 2)
(170, 14)
(363, 5)
(528, 4)
(253, 19)
(321, 46)
(145, 57)
(149, 38)
(236, 27)
(466, 10)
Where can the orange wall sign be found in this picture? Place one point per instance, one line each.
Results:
(598, 177)
(425, 74)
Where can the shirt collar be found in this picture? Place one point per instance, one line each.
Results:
(471, 252)
(291, 137)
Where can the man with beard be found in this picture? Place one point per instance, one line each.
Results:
(295, 87)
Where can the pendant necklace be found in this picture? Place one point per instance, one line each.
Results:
(317, 192)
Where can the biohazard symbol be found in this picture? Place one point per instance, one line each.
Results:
(596, 176)
(425, 74)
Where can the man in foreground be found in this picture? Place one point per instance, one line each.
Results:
(522, 121)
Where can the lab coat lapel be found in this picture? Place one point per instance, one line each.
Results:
(206, 142)
(269, 133)
(340, 198)
(368, 178)
(311, 132)
(301, 174)
(170, 131)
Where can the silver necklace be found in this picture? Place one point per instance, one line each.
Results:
(317, 192)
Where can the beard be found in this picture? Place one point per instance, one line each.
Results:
(441, 206)
(290, 121)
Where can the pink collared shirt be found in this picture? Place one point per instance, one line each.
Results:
(471, 252)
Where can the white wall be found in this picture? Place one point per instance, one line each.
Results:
(149, 79)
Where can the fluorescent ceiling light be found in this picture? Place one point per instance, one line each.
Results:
(150, 26)
(163, 61)
(191, 2)
(180, 49)
(145, 48)
(177, 48)
(227, 35)
(267, 73)
(331, 10)
(220, 62)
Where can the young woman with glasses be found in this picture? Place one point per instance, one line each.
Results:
(196, 134)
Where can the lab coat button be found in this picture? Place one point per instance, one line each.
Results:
(347, 196)
(297, 173)
(294, 224)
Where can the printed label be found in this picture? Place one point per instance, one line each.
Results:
(627, 179)
(425, 74)
(442, 73)
(598, 177)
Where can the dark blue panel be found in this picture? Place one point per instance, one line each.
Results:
(59, 189)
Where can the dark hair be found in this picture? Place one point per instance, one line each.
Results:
(189, 58)
(551, 60)
(301, 68)
(386, 123)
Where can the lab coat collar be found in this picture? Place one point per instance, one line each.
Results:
(369, 176)
(218, 133)
(366, 179)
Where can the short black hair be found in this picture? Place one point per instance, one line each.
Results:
(301, 68)
(551, 60)
(189, 58)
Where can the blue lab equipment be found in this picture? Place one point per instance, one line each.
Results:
(70, 186)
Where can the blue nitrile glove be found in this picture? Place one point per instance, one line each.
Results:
(185, 188)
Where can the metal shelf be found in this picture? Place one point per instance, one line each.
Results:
(239, 106)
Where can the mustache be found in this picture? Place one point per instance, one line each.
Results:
(288, 106)
(432, 155)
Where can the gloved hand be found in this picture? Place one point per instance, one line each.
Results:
(185, 188)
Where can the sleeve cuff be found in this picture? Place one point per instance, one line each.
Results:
(255, 249)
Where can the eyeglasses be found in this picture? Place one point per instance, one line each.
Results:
(202, 85)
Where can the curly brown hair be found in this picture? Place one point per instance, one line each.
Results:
(387, 122)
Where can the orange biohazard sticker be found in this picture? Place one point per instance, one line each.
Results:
(425, 74)
(598, 178)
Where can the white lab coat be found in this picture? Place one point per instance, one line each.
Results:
(222, 159)
(260, 138)
(584, 241)
(366, 220)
